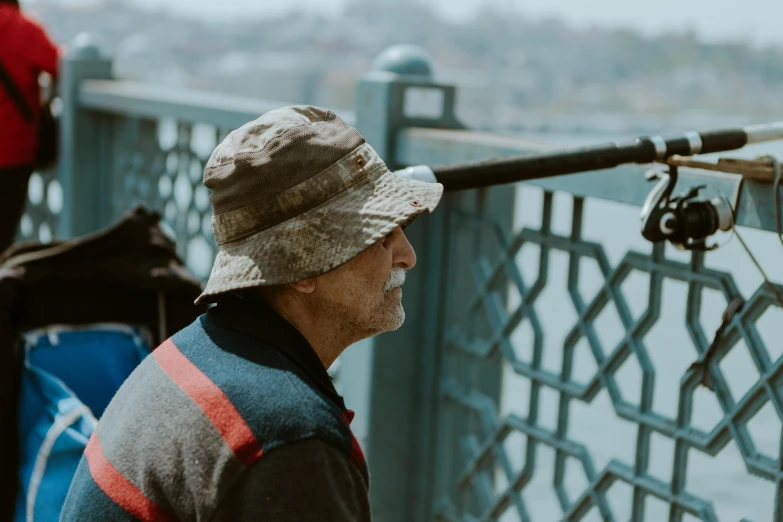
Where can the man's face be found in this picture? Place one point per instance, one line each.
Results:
(364, 295)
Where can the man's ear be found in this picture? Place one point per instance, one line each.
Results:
(305, 286)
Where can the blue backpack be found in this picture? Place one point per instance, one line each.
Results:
(69, 377)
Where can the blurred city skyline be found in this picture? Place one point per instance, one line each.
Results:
(753, 21)
(515, 72)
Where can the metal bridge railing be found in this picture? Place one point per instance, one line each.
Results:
(544, 325)
(543, 372)
(529, 348)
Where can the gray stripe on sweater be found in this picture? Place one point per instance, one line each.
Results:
(164, 444)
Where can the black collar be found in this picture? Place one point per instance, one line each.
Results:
(254, 317)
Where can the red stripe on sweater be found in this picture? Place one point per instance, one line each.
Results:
(357, 455)
(356, 452)
(211, 399)
(119, 489)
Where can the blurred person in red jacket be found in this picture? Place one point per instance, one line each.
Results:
(25, 52)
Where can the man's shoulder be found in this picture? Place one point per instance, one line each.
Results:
(269, 391)
(195, 413)
(205, 371)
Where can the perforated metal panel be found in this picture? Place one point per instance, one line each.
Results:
(161, 163)
(560, 366)
(43, 206)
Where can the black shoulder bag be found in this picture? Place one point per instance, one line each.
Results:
(47, 145)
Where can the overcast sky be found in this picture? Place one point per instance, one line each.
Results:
(756, 21)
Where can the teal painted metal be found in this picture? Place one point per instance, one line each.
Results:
(44, 205)
(484, 448)
(403, 364)
(467, 484)
(84, 143)
(454, 433)
(139, 100)
(405, 60)
(161, 163)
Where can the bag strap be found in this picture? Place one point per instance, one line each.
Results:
(15, 95)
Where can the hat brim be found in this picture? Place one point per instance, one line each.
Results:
(322, 238)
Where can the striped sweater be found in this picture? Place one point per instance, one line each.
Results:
(233, 418)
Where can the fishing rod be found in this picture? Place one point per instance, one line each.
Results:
(645, 149)
(685, 220)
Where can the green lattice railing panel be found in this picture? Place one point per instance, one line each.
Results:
(161, 163)
(599, 416)
(43, 207)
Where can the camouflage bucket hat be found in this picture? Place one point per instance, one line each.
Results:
(297, 193)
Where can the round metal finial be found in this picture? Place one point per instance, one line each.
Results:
(405, 60)
(85, 47)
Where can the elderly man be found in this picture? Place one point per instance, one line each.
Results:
(235, 417)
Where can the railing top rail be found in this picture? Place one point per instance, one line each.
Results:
(625, 184)
(153, 101)
(755, 203)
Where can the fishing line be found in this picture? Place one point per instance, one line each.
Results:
(772, 286)
(776, 190)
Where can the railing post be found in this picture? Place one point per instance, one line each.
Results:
(402, 365)
(84, 143)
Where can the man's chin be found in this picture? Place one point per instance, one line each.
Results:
(400, 321)
(394, 319)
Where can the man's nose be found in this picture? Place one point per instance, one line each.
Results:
(404, 256)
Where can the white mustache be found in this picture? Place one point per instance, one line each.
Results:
(396, 278)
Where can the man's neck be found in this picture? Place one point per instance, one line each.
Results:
(327, 339)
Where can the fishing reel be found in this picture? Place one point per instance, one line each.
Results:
(685, 220)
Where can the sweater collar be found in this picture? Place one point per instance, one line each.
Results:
(256, 318)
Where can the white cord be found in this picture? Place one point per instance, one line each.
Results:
(42, 459)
